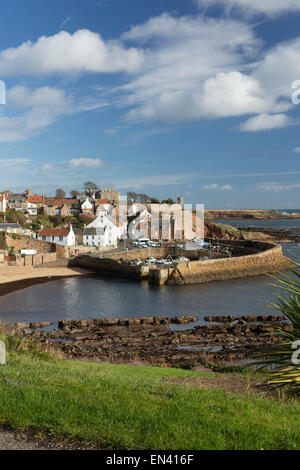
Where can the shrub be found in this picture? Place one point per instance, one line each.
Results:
(283, 369)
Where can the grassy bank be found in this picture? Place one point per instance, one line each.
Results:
(128, 407)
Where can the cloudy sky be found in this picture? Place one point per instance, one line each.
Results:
(166, 97)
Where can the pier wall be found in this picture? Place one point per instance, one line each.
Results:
(158, 253)
(102, 267)
(270, 260)
(251, 258)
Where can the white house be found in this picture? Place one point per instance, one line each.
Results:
(59, 236)
(31, 208)
(139, 224)
(87, 207)
(103, 231)
(10, 228)
(29, 233)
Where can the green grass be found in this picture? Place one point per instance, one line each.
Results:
(129, 407)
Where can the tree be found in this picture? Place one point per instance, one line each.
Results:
(74, 193)
(168, 201)
(144, 198)
(60, 194)
(154, 200)
(132, 196)
(89, 186)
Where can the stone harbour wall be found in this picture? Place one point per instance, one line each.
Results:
(158, 253)
(251, 258)
(102, 267)
(20, 242)
(270, 260)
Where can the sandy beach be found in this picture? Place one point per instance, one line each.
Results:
(14, 278)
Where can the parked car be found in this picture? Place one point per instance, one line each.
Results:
(153, 244)
(183, 259)
(151, 260)
(141, 245)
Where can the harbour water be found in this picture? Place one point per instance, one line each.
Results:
(264, 223)
(79, 298)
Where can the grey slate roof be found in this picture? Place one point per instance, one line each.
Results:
(5, 226)
(93, 231)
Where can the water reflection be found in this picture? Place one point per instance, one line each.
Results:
(75, 298)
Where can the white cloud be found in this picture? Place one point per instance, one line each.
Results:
(188, 68)
(41, 108)
(86, 163)
(296, 150)
(268, 7)
(189, 63)
(214, 187)
(47, 167)
(211, 187)
(277, 187)
(12, 162)
(23, 97)
(200, 68)
(111, 131)
(265, 122)
(14, 129)
(83, 51)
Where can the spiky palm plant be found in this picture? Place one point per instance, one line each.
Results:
(282, 360)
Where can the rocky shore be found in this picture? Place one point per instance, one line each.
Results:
(272, 234)
(154, 340)
(248, 214)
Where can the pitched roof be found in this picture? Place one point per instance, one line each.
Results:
(54, 232)
(53, 202)
(101, 201)
(94, 231)
(60, 202)
(35, 199)
(71, 201)
(9, 226)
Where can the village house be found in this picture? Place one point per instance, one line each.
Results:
(10, 228)
(31, 208)
(102, 232)
(112, 196)
(87, 207)
(61, 207)
(78, 236)
(139, 222)
(59, 236)
(103, 205)
(18, 202)
(35, 199)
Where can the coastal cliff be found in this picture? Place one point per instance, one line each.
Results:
(248, 214)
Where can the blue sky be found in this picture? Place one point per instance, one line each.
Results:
(165, 97)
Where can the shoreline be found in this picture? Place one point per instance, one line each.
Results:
(153, 341)
(14, 278)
